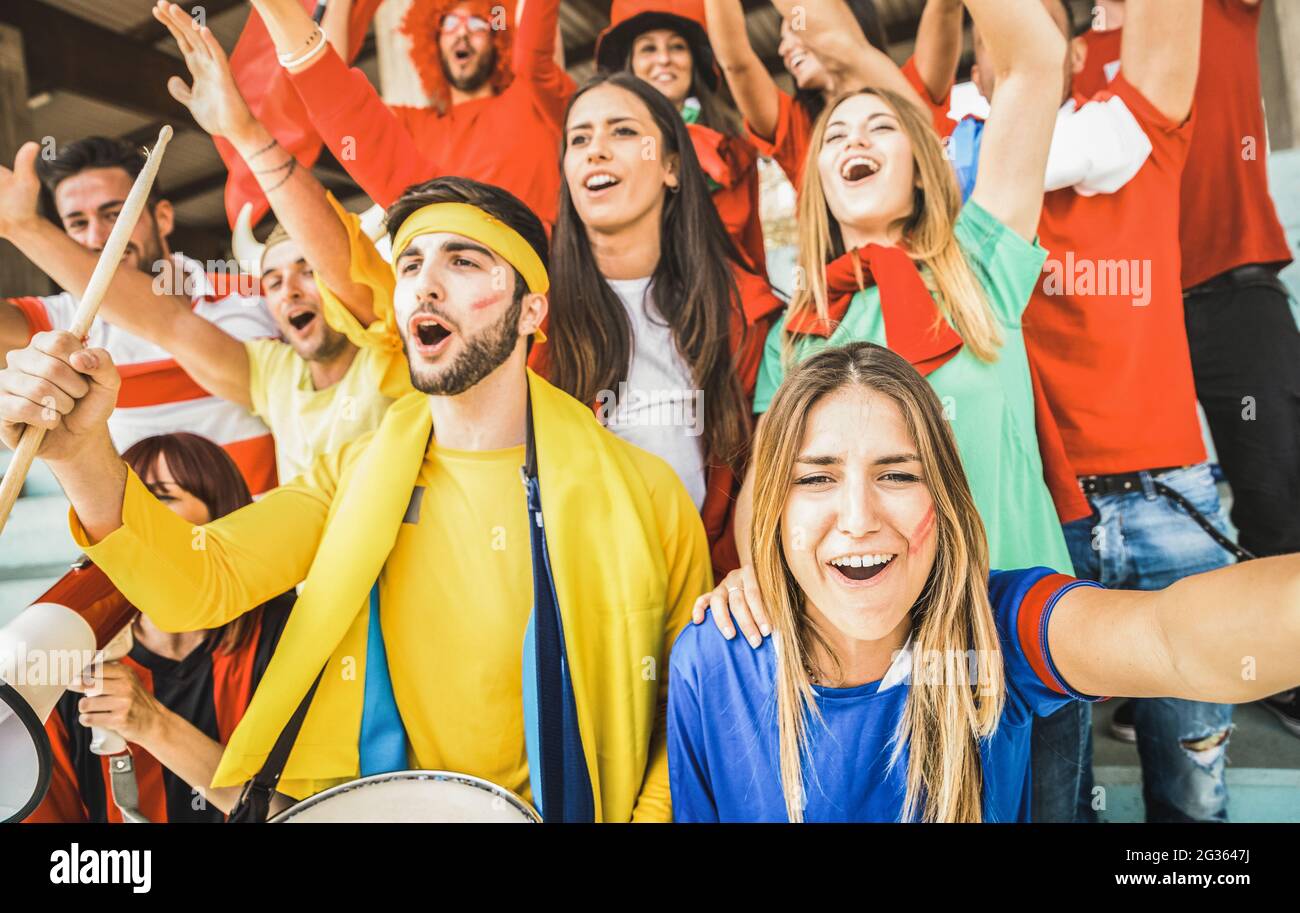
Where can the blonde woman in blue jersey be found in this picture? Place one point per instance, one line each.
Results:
(902, 675)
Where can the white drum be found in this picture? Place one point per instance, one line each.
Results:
(412, 797)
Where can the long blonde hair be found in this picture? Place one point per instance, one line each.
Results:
(927, 232)
(943, 720)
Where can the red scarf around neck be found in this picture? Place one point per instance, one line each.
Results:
(914, 327)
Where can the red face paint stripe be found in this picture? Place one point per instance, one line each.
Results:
(923, 529)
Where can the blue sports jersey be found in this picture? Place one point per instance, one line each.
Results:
(722, 731)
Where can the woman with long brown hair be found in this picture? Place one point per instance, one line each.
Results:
(656, 319)
(177, 696)
(902, 675)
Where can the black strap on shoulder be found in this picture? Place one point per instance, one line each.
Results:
(530, 445)
(255, 801)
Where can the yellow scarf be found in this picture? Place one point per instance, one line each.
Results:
(607, 557)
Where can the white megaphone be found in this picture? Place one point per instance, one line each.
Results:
(42, 651)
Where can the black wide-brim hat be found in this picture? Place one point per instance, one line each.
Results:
(614, 44)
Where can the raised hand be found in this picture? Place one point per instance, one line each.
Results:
(19, 190)
(214, 99)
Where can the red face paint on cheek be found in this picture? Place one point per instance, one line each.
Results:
(483, 303)
(923, 530)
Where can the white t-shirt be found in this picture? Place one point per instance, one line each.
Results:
(658, 407)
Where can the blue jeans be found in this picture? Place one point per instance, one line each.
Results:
(1143, 541)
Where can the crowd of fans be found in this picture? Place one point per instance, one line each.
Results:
(1070, 275)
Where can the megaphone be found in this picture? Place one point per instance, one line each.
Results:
(42, 651)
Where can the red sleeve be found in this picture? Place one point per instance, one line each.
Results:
(789, 146)
(361, 131)
(1170, 141)
(943, 124)
(534, 55)
(62, 803)
(33, 309)
(1031, 629)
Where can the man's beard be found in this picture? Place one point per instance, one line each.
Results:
(483, 354)
(150, 252)
(474, 81)
(331, 343)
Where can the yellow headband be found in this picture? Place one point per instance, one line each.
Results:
(477, 225)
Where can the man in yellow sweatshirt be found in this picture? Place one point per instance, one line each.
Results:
(426, 602)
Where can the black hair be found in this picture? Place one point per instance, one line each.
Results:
(693, 284)
(93, 152)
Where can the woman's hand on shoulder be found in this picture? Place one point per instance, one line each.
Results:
(736, 603)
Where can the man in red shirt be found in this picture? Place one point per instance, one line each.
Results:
(498, 98)
(1106, 329)
(1244, 344)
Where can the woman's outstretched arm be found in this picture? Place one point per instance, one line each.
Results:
(1227, 636)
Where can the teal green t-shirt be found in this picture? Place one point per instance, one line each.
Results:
(990, 404)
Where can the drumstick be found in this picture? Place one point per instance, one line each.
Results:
(109, 258)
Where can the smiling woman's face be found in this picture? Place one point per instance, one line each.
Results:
(859, 522)
(866, 167)
(615, 164)
(800, 62)
(662, 58)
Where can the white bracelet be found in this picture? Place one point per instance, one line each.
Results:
(317, 47)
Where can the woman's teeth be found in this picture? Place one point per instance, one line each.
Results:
(600, 181)
(858, 167)
(861, 567)
(861, 560)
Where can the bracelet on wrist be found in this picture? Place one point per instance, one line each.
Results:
(315, 47)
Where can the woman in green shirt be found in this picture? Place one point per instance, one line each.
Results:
(889, 255)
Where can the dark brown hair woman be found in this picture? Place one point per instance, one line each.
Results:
(176, 697)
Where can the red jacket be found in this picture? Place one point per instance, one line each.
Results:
(731, 162)
(79, 783)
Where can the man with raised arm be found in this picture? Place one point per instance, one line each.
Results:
(498, 95)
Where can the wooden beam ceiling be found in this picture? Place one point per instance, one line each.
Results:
(65, 53)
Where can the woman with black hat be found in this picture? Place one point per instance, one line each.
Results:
(665, 43)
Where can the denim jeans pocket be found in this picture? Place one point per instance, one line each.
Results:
(1196, 484)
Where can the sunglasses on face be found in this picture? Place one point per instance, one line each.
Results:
(473, 23)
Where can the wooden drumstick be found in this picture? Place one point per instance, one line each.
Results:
(109, 259)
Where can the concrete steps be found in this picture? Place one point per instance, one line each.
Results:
(1263, 773)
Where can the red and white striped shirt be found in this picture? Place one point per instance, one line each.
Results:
(157, 396)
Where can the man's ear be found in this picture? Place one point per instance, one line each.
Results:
(165, 218)
(532, 313)
(1078, 55)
